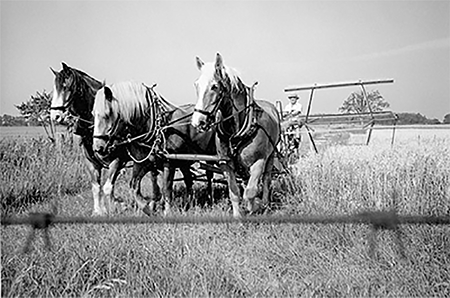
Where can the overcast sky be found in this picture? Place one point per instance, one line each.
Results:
(277, 43)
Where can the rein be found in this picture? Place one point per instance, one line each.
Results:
(79, 89)
(224, 91)
(108, 137)
(64, 107)
(210, 114)
(251, 105)
(153, 134)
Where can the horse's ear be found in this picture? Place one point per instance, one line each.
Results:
(219, 66)
(108, 93)
(54, 71)
(219, 61)
(64, 65)
(200, 63)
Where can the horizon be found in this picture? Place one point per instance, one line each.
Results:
(279, 44)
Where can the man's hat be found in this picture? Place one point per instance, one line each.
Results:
(293, 95)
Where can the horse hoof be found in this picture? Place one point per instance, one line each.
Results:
(147, 210)
(98, 213)
(238, 214)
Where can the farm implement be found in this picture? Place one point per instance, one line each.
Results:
(311, 131)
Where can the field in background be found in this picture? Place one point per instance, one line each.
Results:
(27, 131)
(407, 134)
(326, 136)
(412, 177)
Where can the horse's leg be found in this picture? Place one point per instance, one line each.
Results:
(209, 188)
(189, 182)
(233, 189)
(108, 187)
(235, 194)
(155, 192)
(95, 172)
(139, 171)
(267, 179)
(168, 175)
(252, 190)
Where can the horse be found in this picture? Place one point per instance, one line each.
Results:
(136, 117)
(247, 131)
(74, 92)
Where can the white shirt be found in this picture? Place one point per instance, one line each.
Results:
(293, 109)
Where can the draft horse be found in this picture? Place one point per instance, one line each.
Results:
(74, 92)
(134, 116)
(247, 133)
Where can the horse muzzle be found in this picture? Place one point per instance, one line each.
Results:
(57, 116)
(100, 144)
(201, 120)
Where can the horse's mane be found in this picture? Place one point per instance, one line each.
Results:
(83, 80)
(83, 89)
(231, 76)
(133, 100)
(234, 77)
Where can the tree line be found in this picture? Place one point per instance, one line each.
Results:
(36, 111)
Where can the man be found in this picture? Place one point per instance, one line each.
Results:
(291, 125)
(294, 107)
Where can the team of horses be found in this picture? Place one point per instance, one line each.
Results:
(130, 122)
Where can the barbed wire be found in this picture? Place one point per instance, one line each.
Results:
(378, 220)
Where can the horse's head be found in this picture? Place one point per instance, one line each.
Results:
(62, 91)
(210, 88)
(106, 119)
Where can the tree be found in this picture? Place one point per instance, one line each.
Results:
(415, 118)
(355, 103)
(37, 111)
(8, 120)
(446, 119)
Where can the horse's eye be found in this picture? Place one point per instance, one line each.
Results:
(214, 87)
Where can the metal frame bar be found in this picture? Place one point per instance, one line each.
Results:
(338, 85)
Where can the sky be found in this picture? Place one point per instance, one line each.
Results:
(280, 44)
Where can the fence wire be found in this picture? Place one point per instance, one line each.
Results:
(378, 220)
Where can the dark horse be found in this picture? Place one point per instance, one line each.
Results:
(247, 134)
(134, 116)
(74, 92)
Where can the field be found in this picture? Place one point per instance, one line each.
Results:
(238, 260)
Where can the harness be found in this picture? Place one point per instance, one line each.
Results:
(154, 138)
(82, 127)
(238, 140)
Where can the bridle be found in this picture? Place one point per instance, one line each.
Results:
(67, 106)
(120, 125)
(110, 136)
(224, 91)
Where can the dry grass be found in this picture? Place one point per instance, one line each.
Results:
(258, 260)
(34, 169)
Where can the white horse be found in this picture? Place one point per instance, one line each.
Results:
(139, 119)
